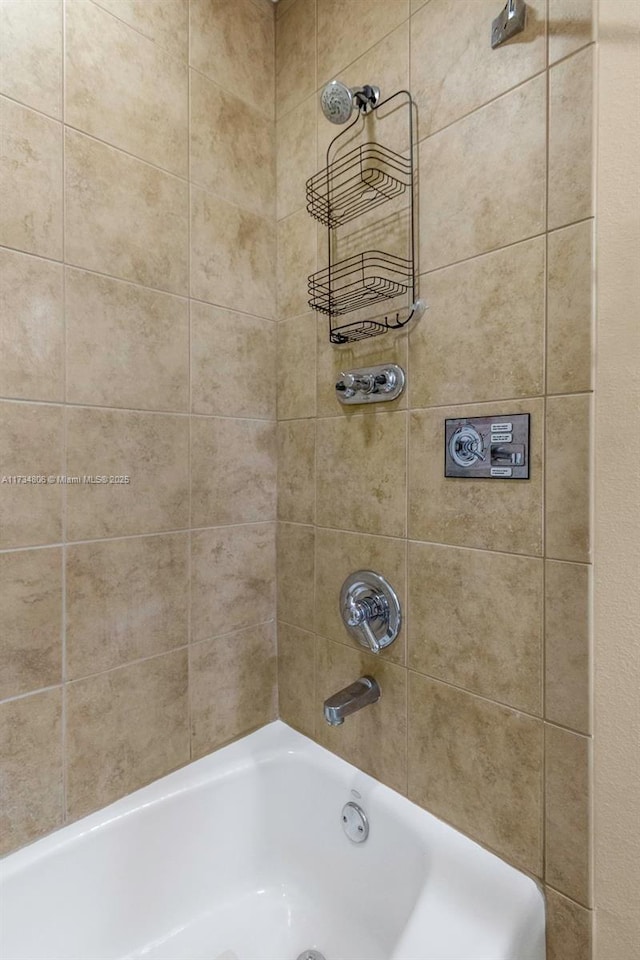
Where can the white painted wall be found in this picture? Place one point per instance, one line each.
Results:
(617, 488)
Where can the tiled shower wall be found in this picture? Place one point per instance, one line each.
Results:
(138, 339)
(485, 710)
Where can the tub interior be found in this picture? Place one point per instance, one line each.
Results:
(264, 844)
(242, 856)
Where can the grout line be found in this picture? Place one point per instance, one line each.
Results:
(315, 649)
(545, 341)
(566, 896)
(242, 313)
(146, 36)
(190, 404)
(506, 246)
(503, 704)
(229, 91)
(66, 265)
(138, 660)
(407, 424)
(127, 664)
(429, 543)
(278, 336)
(33, 693)
(534, 76)
(127, 153)
(136, 536)
(185, 180)
(137, 410)
(317, 527)
(448, 406)
(232, 309)
(64, 457)
(28, 106)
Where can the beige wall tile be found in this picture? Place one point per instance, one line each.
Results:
(375, 739)
(416, 4)
(297, 237)
(233, 686)
(232, 256)
(282, 6)
(567, 840)
(567, 645)
(297, 471)
(30, 620)
(233, 363)
(569, 309)
(233, 471)
(296, 548)
(125, 89)
(150, 448)
(462, 210)
(482, 337)
(570, 27)
(31, 53)
(30, 445)
(568, 487)
(297, 367)
(478, 766)
(333, 361)
(32, 328)
(357, 488)
(124, 217)
(233, 44)
(475, 620)
(346, 30)
(452, 73)
(570, 139)
(568, 928)
(233, 578)
(295, 55)
(31, 798)
(165, 21)
(504, 515)
(30, 181)
(339, 554)
(126, 599)
(126, 346)
(232, 147)
(297, 704)
(295, 156)
(125, 728)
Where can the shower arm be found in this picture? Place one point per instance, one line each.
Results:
(366, 98)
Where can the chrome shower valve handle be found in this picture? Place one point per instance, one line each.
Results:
(371, 384)
(362, 612)
(370, 610)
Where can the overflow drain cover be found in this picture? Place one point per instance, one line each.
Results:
(311, 955)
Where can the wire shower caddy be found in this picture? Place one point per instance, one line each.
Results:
(379, 286)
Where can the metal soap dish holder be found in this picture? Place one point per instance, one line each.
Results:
(372, 281)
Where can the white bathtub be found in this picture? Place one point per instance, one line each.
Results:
(242, 855)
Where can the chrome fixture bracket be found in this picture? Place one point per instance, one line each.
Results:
(354, 822)
(488, 447)
(370, 610)
(509, 22)
(371, 384)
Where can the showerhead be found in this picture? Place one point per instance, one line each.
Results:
(338, 100)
